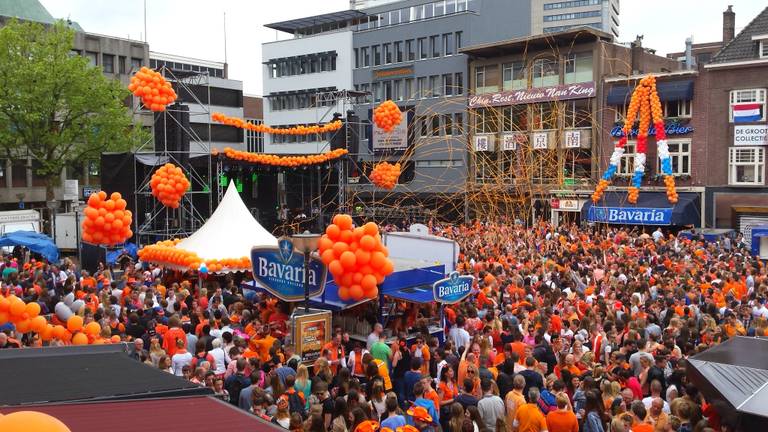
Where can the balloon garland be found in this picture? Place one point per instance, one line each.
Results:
(355, 257)
(387, 116)
(284, 161)
(155, 92)
(107, 222)
(645, 101)
(262, 128)
(385, 175)
(169, 184)
(166, 252)
(31, 421)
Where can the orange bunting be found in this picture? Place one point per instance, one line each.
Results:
(155, 92)
(385, 175)
(387, 116)
(284, 161)
(169, 184)
(262, 128)
(107, 222)
(166, 252)
(355, 257)
(632, 194)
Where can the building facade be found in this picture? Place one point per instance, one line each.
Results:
(537, 120)
(253, 111)
(549, 16)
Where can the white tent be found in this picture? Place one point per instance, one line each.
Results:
(230, 232)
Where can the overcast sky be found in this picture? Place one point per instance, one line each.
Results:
(195, 28)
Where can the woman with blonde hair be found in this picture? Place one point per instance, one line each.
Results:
(610, 392)
(323, 370)
(303, 383)
(155, 351)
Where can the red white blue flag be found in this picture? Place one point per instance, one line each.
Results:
(747, 112)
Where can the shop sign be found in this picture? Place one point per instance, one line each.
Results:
(452, 289)
(511, 141)
(630, 215)
(90, 190)
(670, 129)
(750, 135)
(397, 140)
(540, 140)
(398, 72)
(313, 332)
(280, 270)
(564, 204)
(533, 95)
(572, 139)
(483, 143)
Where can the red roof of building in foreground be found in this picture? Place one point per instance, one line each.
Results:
(188, 414)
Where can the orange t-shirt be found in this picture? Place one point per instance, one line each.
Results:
(563, 421)
(640, 427)
(449, 392)
(169, 340)
(530, 419)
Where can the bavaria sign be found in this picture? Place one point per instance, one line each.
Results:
(452, 289)
(669, 129)
(280, 270)
(630, 215)
(533, 95)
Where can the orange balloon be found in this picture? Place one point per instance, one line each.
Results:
(92, 328)
(74, 323)
(38, 324)
(79, 339)
(348, 260)
(333, 232)
(343, 221)
(31, 421)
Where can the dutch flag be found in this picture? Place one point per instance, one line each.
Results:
(748, 112)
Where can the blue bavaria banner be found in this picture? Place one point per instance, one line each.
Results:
(452, 289)
(280, 270)
(630, 215)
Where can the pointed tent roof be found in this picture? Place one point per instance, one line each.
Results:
(230, 232)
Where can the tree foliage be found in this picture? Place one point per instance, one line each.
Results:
(54, 106)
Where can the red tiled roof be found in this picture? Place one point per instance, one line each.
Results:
(188, 414)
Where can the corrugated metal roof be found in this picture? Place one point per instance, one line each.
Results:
(188, 414)
(742, 47)
(29, 10)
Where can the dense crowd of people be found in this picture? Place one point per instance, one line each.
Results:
(568, 329)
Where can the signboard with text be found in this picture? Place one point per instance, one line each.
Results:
(669, 129)
(311, 333)
(397, 140)
(513, 141)
(280, 270)
(452, 289)
(572, 139)
(630, 215)
(540, 140)
(533, 95)
(756, 135)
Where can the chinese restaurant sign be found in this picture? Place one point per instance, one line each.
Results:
(533, 95)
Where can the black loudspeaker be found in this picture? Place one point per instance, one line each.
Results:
(339, 138)
(172, 131)
(352, 126)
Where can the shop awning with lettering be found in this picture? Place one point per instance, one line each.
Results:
(652, 208)
(668, 91)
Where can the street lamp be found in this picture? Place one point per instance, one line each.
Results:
(306, 243)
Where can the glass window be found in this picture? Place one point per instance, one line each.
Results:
(408, 88)
(458, 124)
(439, 8)
(384, 19)
(423, 53)
(436, 125)
(325, 65)
(461, 5)
(377, 89)
(366, 57)
(135, 64)
(680, 155)
(459, 85)
(434, 43)
(405, 15)
(398, 52)
(545, 73)
(515, 118)
(434, 86)
(749, 105)
(387, 90)
(578, 68)
(448, 44)
(513, 76)
(429, 11)
(448, 84)
(93, 58)
(410, 53)
(578, 114)
(450, 6)
(627, 163)
(376, 55)
(121, 64)
(397, 90)
(421, 88)
(394, 17)
(357, 58)
(544, 117)
(486, 79)
(447, 124)
(677, 108)
(109, 63)
(485, 121)
(458, 41)
(417, 12)
(746, 165)
(387, 53)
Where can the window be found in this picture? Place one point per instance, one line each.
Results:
(677, 108)
(376, 55)
(461, 5)
(485, 121)
(366, 56)
(383, 20)
(429, 11)
(423, 48)
(545, 73)
(387, 89)
(571, 4)
(515, 118)
(746, 166)
(680, 155)
(108, 63)
(577, 114)
(397, 90)
(434, 86)
(459, 86)
(434, 42)
(620, 113)
(544, 117)
(325, 65)
(486, 79)
(448, 84)
(458, 123)
(387, 53)
(417, 12)
(578, 68)
(447, 124)
(764, 49)
(448, 44)
(572, 16)
(405, 15)
(436, 125)
(357, 58)
(376, 92)
(747, 105)
(410, 53)
(627, 163)
(458, 41)
(408, 89)
(93, 58)
(394, 17)
(135, 64)
(439, 8)
(513, 76)
(421, 88)
(450, 7)
(398, 52)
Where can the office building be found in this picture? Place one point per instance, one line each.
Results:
(253, 111)
(549, 16)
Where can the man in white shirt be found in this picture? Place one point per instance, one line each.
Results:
(458, 335)
(220, 362)
(374, 336)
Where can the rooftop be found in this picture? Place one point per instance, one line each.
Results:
(292, 26)
(743, 47)
(28, 10)
(537, 42)
(190, 60)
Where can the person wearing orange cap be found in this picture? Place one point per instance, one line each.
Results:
(420, 417)
(367, 426)
(423, 409)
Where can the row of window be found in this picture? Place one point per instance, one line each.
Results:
(679, 152)
(417, 13)
(186, 67)
(408, 50)
(492, 167)
(432, 86)
(541, 72)
(540, 116)
(670, 109)
(435, 125)
(297, 101)
(107, 62)
(302, 65)
(596, 25)
(571, 16)
(570, 4)
(454, 163)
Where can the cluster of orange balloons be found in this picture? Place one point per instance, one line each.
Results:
(155, 92)
(669, 184)
(385, 175)
(633, 194)
(262, 128)
(107, 222)
(355, 257)
(25, 316)
(166, 252)
(169, 184)
(284, 161)
(602, 185)
(387, 116)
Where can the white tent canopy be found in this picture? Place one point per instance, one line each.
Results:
(230, 232)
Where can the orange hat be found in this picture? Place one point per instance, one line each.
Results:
(420, 413)
(407, 428)
(367, 426)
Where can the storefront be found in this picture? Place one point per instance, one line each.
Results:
(565, 208)
(652, 209)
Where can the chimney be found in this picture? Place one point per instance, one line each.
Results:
(729, 24)
(636, 55)
(689, 53)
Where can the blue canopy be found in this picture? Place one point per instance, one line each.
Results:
(36, 242)
(652, 208)
(129, 249)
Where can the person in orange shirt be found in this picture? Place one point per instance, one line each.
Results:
(173, 334)
(639, 414)
(514, 400)
(562, 419)
(263, 344)
(528, 417)
(336, 355)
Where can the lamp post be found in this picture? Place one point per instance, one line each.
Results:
(306, 243)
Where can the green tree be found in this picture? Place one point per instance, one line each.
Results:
(54, 106)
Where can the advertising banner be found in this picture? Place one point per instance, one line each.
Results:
(280, 270)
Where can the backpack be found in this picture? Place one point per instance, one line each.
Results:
(235, 387)
(296, 403)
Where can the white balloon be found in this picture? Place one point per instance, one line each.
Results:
(77, 305)
(63, 312)
(69, 298)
